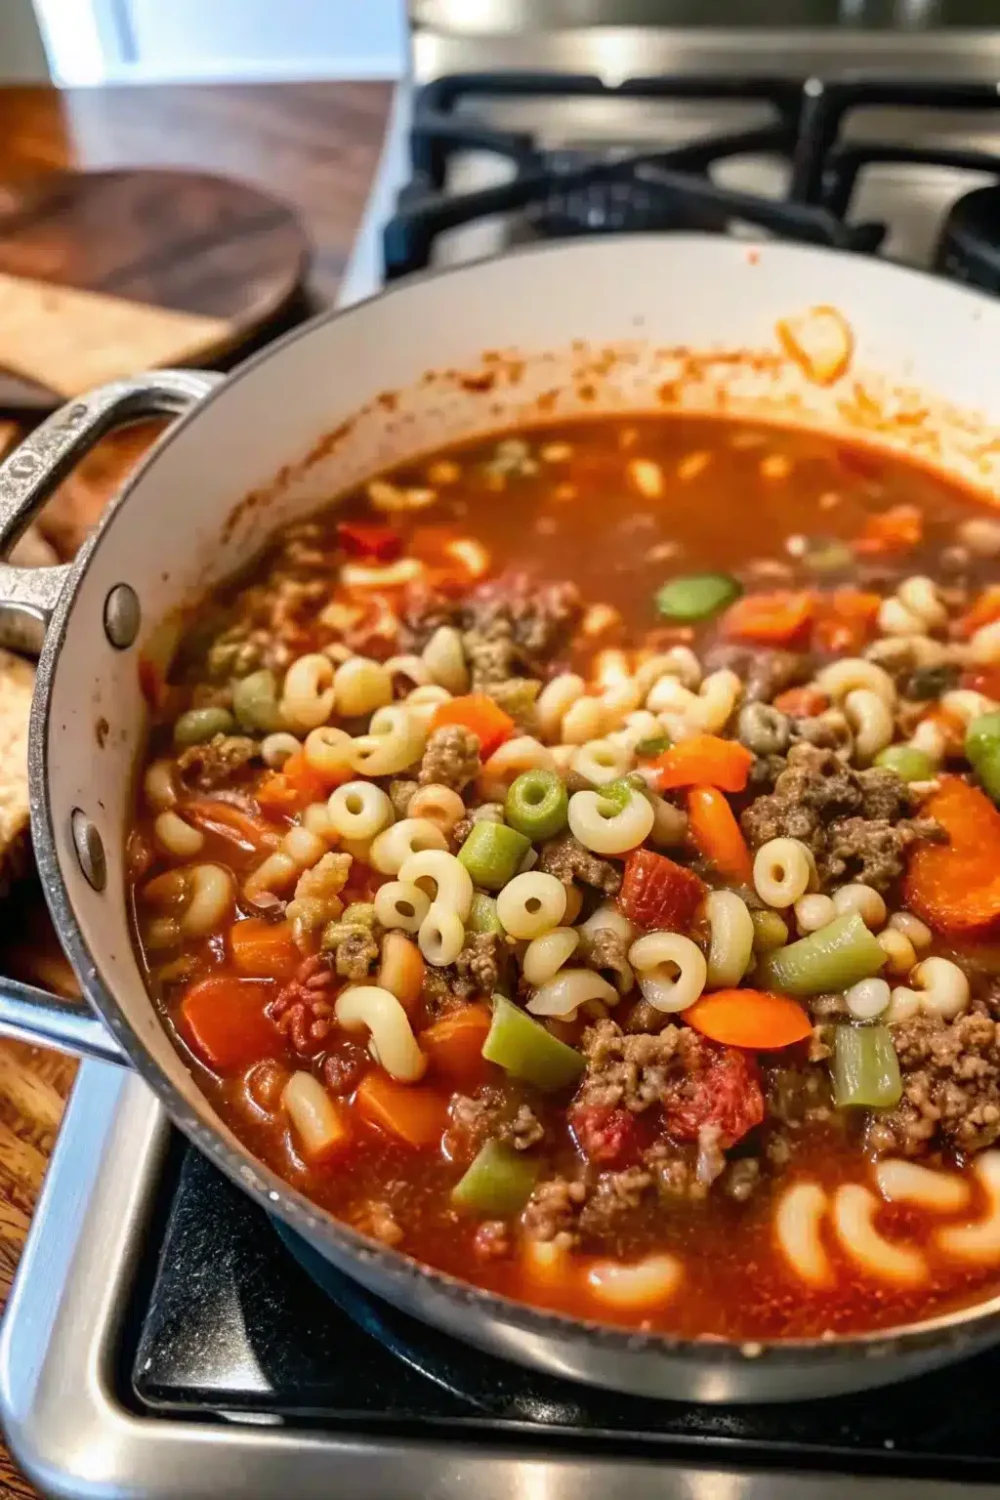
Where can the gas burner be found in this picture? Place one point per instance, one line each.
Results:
(579, 190)
(629, 203)
(969, 247)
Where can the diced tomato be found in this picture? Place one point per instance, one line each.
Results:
(608, 1137)
(369, 541)
(657, 893)
(726, 1093)
(984, 611)
(801, 702)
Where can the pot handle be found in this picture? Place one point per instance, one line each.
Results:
(28, 597)
(28, 475)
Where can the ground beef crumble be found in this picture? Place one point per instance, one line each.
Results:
(856, 823)
(491, 1114)
(606, 951)
(217, 762)
(451, 758)
(951, 1087)
(567, 859)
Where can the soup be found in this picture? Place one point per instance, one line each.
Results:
(573, 861)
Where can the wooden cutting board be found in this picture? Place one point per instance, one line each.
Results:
(106, 273)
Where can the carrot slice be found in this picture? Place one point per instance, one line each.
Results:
(716, 833)
(754, 1019)
(985, 610)
(778, 619)
(657, 893)
(956, 886)
(704, 760)
(415, 1115)
(479, 714)
(263, 949)
(222, 1020)
(895, 530)
(454, 1045)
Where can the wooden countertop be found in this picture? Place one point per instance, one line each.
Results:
(316, 146)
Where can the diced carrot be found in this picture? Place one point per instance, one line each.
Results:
(478, 713)
(657, 893)
(295, 786)
(716, 834)
(778, 619)
(264, 949)
(847, 620)
(985, 680)
(454, 1045)
(801, 702)
(413, 1113)
(898, 529)
(955, 886)
(703, 760)
(754, 1019)
(368, 540)
(222, 1019)
(402, 970)
(984, 611)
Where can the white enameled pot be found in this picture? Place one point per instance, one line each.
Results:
(613, 324)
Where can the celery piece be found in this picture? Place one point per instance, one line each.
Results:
(865, 1068)
(493, 853)
(537, 804)
(498, 1182)
(522, 1046)
(483, 915)
(697, 596)
(833, 958)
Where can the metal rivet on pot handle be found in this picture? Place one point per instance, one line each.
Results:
(89, 848)
(122, 616)
(28, 596)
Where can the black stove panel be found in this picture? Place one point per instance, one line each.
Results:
(230, 1323)
(552, 194)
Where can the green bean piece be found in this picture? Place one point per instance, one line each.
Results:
(769, 931)
(982, 747)
(697, 597)
(498, 1182)
(537, 804)
(833, 958)
(865, 1068)
(493, 854)
(654, 745)
(483, 915)
(255, 702)
(909, 763)
(522, 1047)
(199, 725)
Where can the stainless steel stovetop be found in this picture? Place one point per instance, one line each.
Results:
(61, 1399)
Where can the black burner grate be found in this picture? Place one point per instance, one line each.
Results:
(571, 192)
(231, 1324)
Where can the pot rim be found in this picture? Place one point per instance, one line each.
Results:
(961, 1331)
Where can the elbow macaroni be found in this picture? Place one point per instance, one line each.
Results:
(604, 827)
(670, 968)
(391, 1039)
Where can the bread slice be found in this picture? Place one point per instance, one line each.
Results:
(17, 681)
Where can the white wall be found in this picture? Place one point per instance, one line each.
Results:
(22, 56)
(158, 41)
